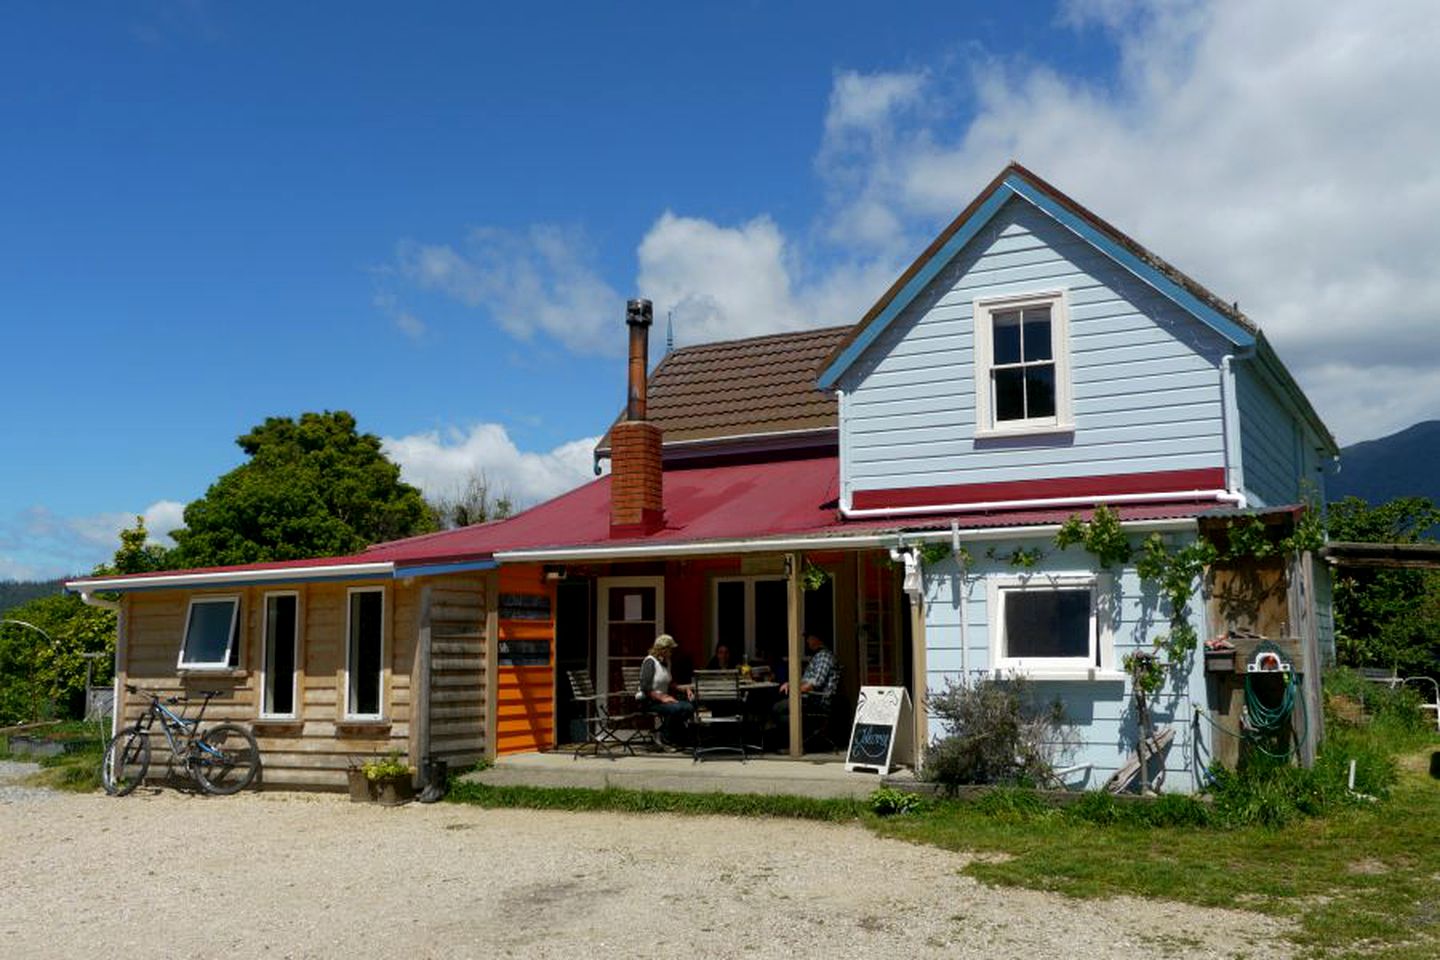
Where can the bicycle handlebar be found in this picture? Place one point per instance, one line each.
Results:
(175, 698)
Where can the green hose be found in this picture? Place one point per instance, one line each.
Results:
(1267, 718)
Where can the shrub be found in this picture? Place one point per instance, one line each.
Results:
(995, 733)
(1395, 709)
(887, 802)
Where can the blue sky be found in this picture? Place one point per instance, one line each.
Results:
(431, 217)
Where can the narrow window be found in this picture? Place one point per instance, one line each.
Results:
(282, 635)
(365, 654)
(212, 632)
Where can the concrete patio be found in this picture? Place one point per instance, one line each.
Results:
(821, 775)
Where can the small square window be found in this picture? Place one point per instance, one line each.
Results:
(1022, 366)
(1054, 624)
(212, 634)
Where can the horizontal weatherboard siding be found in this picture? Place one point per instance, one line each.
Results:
(1145, 374)
(1270, 448)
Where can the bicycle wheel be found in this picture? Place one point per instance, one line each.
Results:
(127, 758)
(225, 759)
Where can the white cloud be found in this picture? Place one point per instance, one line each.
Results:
(404, 320)
(441, 463)
(1277, 152)
(39, 543)
(1280, 153)
(540, 281)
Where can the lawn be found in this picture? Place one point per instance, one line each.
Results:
(1363, 880)
(78, 769)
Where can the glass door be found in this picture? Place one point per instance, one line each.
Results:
(630, 615)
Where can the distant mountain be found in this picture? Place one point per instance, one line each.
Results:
(1404, 464)
(15, 592)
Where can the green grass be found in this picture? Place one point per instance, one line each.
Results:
(1362, 880)
(656, 801)
(78, 769)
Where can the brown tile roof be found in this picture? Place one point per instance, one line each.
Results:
(735, 388)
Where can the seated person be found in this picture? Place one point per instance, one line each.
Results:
(655, 695)
(819, 681)
(722, 659)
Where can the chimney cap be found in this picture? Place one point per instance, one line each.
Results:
(639, 312)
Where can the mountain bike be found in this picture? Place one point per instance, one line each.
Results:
(222, 760)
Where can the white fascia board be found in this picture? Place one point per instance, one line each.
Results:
(221, 578)
(882, 538)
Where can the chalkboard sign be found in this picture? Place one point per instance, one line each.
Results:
(524, 606)
(882, 723)
(524, 653)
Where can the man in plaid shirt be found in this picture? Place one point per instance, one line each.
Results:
(819, 679)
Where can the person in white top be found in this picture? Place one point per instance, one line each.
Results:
(656, 684)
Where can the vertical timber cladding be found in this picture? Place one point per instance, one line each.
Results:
(525, 711)
(456, 714)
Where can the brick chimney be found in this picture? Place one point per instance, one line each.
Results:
(636, 498)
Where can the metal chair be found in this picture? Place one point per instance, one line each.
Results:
(820, 720)
(718, 689)
(642, 726)
(601, 723)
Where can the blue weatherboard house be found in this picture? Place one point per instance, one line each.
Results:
(894, 487)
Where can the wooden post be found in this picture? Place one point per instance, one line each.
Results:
(1312, 730)
(420, 690)
(919, 682)
(492, 661)
(796, 646)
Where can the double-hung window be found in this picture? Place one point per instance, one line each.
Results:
(212, 634)
(1022, 365)
(281, 657)
(365, 654)
(1055, 625)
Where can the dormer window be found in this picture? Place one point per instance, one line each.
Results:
(1022, 365)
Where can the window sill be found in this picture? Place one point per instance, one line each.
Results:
(1082, 674)
(373, 725)
(211, 672)
(270, 723)
(1020, 432)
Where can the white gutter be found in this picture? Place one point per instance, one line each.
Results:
(1224, 496)
(218, 578)
(882, 538)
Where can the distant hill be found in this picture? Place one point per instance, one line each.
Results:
(15, 592)
(1404, 464)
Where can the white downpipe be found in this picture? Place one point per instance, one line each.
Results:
(964, 601)
(1230, 424)
(90, 600)
(1224, 496)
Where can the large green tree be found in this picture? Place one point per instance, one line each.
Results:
(1387, 617)
(312, 487)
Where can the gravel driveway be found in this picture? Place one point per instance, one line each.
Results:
(298, 875)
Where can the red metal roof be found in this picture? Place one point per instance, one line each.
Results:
(752, 501)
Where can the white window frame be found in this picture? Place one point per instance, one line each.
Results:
(349, 715)
(749, 580)
(265, 665)
(223, 665)
(602, 621)
(1099, 660)
(984, 310)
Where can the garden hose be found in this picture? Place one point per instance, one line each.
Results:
(1266, 718)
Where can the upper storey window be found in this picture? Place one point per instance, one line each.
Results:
(1022, 365)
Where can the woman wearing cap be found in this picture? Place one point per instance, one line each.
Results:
(655, 687)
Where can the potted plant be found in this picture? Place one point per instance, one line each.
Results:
(392, 779)
(359, 784)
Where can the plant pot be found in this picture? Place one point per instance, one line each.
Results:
(361, 789)
(393, 791)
